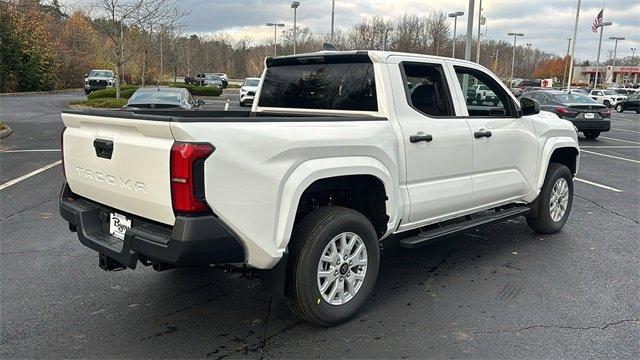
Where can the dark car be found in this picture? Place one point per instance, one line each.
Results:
(632, 103)
(190, 80)
(163, 98)
(588, 116)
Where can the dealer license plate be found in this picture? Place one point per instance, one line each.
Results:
(118, 225)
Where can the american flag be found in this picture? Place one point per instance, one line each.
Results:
(597, 22)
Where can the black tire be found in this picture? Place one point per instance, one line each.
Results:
(87, 92)
(543, 223)
(308, 242)
(479, 99)
(607, 104)
(241, 103)
(591, 134)
(619, 108)
(637, 111)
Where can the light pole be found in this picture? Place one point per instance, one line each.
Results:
(633, 53)
(333, 13)
(601, 26)
(455, 24)
(294, 6)
(564, 73)
(573, 47)
(615, 50)
(275, 36)
(467, 47)
(513, 57)
(479, 31)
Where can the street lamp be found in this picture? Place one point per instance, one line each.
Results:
(633, 53)
(513, 57)
(615, 50)
(601, 26)
(573, 47)
(275, 36)
(294, 6)
(455, 24)
(564, 74)
(333, 12)
(479, 31)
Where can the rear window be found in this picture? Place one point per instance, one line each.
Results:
(336, 86)
(573, 99)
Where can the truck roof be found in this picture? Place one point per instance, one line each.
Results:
(376, 56)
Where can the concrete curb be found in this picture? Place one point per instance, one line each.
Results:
(41, 92)
(6, 132)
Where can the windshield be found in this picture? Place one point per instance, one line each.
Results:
(155, 97)
(213, 77)
(573, 99)
(610, 92)
(100, 73)
(252, 82)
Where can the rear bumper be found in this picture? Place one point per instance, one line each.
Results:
(600, 124)
(192, 241)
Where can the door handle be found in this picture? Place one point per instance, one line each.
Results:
(420, 137)
(482, 133)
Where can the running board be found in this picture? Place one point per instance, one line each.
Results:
(454, 229)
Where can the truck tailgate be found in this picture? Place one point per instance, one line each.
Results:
(120, 162)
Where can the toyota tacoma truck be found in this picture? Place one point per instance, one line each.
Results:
(98, 80)
(340, 151)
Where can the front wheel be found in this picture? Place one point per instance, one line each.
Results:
(87, 91)
(554, 202)
(620, 108)
(334, 264)
(591, 134)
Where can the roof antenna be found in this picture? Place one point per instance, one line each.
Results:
(329, 47)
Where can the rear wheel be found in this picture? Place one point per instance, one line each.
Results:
(334, 264)
(619, 108)
(555, 200)
(607, 103)
(592, 134)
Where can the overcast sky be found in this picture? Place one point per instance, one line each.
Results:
(546, 23)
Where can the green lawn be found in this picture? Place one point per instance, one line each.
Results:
(109, 103)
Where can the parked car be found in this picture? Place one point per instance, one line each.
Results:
(248, 90)
(338, 155)
(481, 94)
(516, 91)
(632, 103)
(577, 91)
(609, 98)
(585, 114)
(190, 80)
(200, 79)
(163, 98)
(98, 80)
(224, 78)
(212, 80)
(626, 91)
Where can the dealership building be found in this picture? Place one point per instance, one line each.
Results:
(619, 75)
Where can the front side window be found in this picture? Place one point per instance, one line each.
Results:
(484, 96)
(325, 85)
(426, 89)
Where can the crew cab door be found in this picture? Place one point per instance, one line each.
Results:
(505, 146)
(438, 147)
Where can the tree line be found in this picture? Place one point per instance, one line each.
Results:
(44, 47)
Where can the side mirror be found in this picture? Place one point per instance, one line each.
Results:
(200, 102)
(529, 106)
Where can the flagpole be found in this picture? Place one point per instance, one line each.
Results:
(573, 46)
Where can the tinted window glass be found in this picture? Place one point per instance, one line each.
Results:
(251, 82)
(426, 89)
(493, 102)
(155, 97)
(573, 99)
(338, 86)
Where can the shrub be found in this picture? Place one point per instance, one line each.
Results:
(198, 90)
(126, 92)
(111, 103)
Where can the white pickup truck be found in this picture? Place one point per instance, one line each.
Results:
(340, 151)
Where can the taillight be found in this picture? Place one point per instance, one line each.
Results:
(562, 111)
(187, 176)
(606, 114)
(62, 151)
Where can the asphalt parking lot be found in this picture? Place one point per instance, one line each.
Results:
(501, 292)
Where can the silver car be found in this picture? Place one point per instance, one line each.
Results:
(213, 80)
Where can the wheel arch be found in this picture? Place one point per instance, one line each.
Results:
(563, 150)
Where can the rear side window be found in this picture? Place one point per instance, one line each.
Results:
(336, 86)
(426, 89)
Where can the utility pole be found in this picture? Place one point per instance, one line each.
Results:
(333, 14)
(479, 32)
(573, 46)
(513, 57)
(455, 25)
(275, 36)
(294, 6)
(566, 62)
(467, 48)
(601, 27)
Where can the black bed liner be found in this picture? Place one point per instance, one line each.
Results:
(218, 116)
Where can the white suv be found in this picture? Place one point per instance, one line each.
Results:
(610, 98)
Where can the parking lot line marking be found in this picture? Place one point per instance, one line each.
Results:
(624, 141)
(26, 176)
(29, 150)
(610, 147)
(625, 130)
(598, 185)
(611, 156)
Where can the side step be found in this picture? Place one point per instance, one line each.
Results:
(454, 229)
